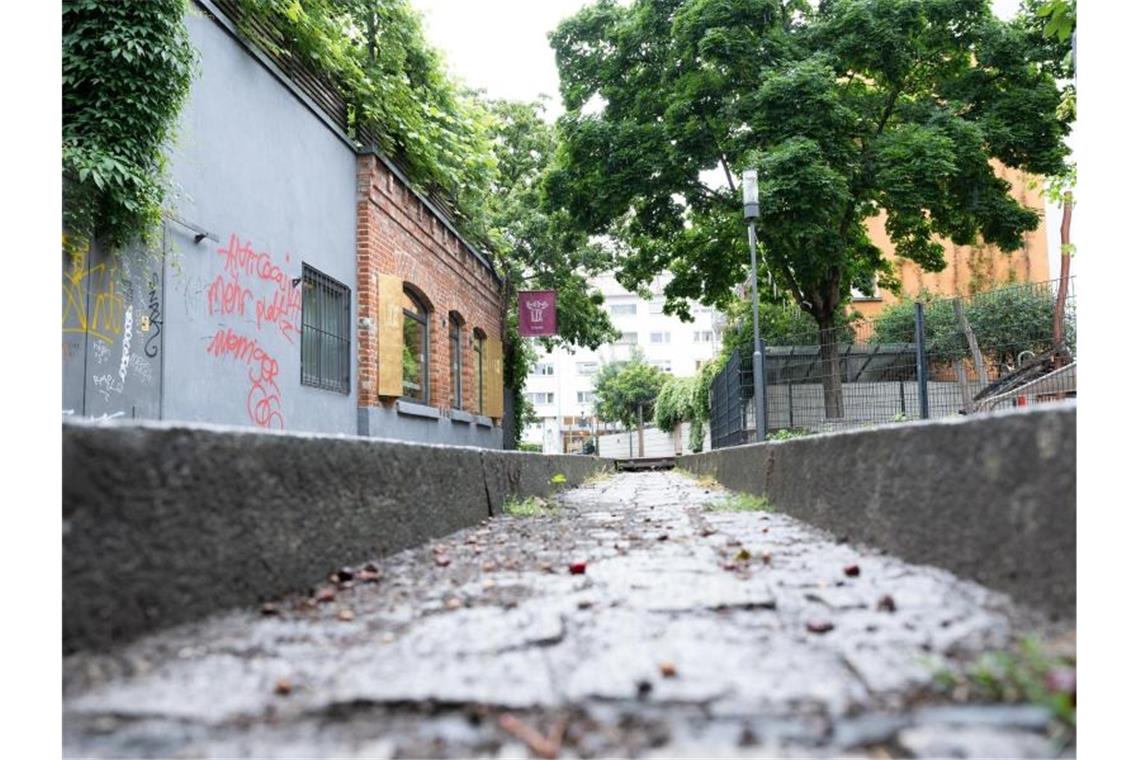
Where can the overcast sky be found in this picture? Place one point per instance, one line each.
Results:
(501, 46)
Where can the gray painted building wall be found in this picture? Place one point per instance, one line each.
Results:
(275, 187)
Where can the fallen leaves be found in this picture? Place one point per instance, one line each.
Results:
(743, 555)
(851, 571)
(886, 603)
(283, 687)
(819, 626)
(668, 669)
(577, 568)
(325, 594)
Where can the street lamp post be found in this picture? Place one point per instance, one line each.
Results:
(759, 397)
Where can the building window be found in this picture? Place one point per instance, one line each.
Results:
(325, 341)
(703, 336)
(627, 339)
(545, 368)
(585, 397)
(415, 349)
(456, 362)
(663, 364)
(623, 309)
(587, 368)
(479, 338)
(540, 398)
(659, 337)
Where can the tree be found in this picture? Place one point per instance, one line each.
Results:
(626, 391)
(535, 249)
(848, 109)
(1052, 24)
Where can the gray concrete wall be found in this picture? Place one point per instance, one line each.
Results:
(277, 187)
(165, 522)
(989, 497)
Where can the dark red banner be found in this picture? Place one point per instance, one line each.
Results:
(537, 313)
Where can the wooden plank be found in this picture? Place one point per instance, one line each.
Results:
(493, 377)
(390, 336)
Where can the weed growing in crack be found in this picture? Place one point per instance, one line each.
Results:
(532, 506)
(739, 502)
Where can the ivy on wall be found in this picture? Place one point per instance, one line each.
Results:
(127, 68)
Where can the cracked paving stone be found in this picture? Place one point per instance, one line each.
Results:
(410, 677)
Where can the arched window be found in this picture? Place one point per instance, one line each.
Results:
(479, 354)
(415, 348)
(453, 326)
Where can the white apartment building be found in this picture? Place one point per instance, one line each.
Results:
(561, 384)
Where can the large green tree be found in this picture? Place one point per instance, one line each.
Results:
(537, 249)
(847, 108)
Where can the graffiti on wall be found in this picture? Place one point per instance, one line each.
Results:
(104, 303)
(254, 289)
(263, 402)
(94, 302)
(232, 292)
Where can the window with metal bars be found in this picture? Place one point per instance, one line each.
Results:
(325, 346)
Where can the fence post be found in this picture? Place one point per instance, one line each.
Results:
(920, 359)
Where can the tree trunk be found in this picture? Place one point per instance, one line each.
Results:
(640, 433)
(829, 361)
(1063, 285)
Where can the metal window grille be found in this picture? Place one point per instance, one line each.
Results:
(325, 342)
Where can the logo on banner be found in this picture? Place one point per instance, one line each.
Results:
(537, 313)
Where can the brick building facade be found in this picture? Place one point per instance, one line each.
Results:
(399, 235)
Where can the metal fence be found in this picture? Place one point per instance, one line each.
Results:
(926, 359)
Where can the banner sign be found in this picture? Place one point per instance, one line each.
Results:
(536, 313)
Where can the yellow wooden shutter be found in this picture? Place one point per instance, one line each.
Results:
(390, 335)
(493, 377)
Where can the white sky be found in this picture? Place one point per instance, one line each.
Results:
(501, 46)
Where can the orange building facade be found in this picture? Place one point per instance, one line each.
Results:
(969, 269)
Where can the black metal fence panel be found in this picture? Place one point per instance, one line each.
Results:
(1008, 347)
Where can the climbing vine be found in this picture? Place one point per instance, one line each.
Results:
(127, 69)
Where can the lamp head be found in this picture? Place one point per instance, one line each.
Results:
(751, 187)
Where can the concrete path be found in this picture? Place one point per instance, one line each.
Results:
(690, 633)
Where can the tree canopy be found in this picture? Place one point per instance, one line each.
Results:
(622, 387)
(847, 110)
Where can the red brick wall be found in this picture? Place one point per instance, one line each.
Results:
(397, 234)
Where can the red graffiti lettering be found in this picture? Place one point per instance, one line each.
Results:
(240, 258)
(283, 309)
(263, 402)
(227, 296)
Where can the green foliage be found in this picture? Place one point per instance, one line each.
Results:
(537, 250)
(558, 479)
(676, 403)
(622, 387)
(739, 502)
(397, 89)
(532, 506)
(846, 108)
(1005, 322)
(1026, 673)
(788, 434)
(126, 71)
(527, 446)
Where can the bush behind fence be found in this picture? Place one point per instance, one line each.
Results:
(991, 350)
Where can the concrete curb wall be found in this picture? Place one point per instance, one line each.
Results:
(989, 497)
(165, 523)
